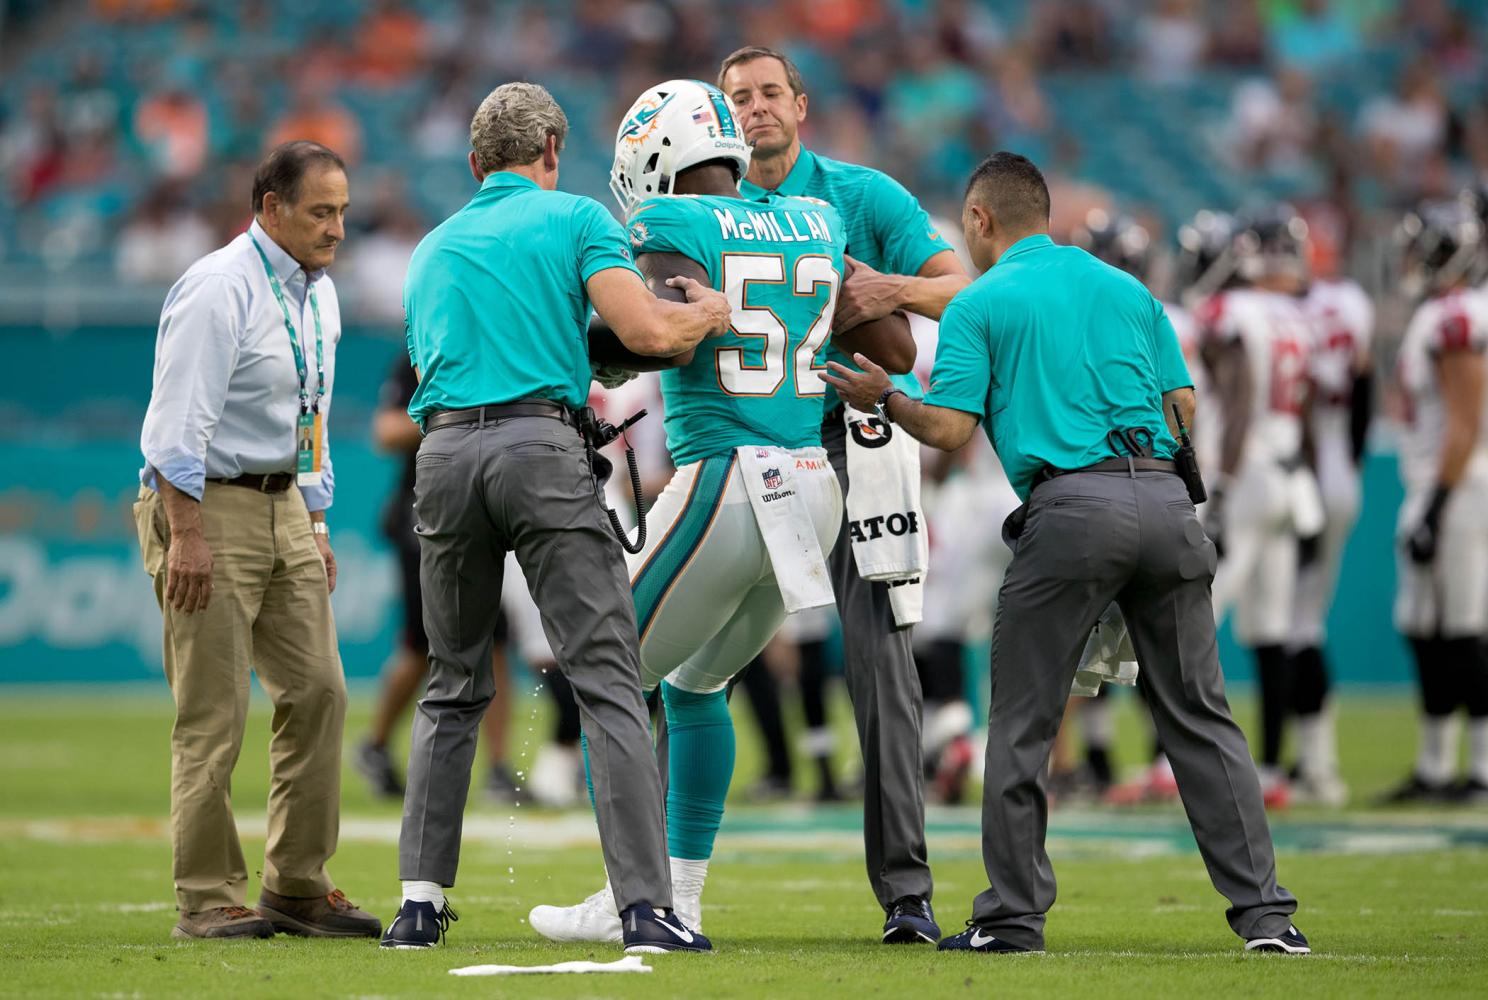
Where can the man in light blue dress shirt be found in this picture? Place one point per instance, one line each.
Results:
(231, 520)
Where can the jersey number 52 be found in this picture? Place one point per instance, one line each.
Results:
(755, 284)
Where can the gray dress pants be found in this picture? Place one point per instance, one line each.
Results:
(887, 705)
(524, 484)
(1092, 538)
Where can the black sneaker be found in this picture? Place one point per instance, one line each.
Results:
(911, 921)
(976, 939)
(418, 925)
(501, 788)
(770, 788)
(373, 763)
(1415, 790)
(651, 932)
(1292, 942)
(1469, 792)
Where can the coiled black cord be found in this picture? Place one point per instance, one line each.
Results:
(640, 503)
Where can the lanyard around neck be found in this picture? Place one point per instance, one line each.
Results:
(306, 406)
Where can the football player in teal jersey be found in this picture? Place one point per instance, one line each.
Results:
(754, 506)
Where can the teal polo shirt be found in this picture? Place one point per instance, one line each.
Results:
(495, 301)
(885, 225)
(1053, 349)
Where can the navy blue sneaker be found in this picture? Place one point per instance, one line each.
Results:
(651, 932)
(911, 921)
(976, 939)
(418, 925)
(1292, 942)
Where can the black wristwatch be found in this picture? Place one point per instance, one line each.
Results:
(882, 406)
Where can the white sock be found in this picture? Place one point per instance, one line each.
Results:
(1098, 724)
(815, 743)
(688, 875)
(1317, 754)
(1477, 745)
(424, 892)
(1436, 761)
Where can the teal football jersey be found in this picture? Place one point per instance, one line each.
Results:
(780, 264)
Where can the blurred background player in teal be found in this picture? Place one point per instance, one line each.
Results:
(739, 536)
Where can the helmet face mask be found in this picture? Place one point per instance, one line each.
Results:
(1207, 258)
(1119, 241)
(1438, 246)
(670, 128)
(1272, 244)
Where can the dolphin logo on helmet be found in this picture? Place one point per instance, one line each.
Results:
(671, 127)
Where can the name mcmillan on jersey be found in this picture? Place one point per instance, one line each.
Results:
(766, 225)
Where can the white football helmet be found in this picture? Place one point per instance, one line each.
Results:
(673, 126)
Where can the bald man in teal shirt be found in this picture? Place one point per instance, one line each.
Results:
(1074, 368)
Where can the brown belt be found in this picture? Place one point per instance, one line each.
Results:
(268, 482)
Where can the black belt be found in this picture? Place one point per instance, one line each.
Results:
(268, 482)
(493, 412)
(1048, 472)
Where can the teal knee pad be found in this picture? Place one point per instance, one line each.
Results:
(700, 766)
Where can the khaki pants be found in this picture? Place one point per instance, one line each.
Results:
(270, 609)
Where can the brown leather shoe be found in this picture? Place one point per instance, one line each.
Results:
(223, 922)
(332, 915)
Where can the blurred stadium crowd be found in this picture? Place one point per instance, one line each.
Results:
(129, 131)
(127, 127)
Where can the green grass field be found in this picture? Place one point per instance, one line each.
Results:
(1394, 901)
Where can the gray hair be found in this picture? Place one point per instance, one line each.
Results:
(512, 125)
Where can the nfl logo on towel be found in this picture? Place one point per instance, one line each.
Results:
(772, 479)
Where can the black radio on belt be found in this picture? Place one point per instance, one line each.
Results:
(1187, 464)
(598, 432)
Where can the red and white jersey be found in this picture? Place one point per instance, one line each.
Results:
(1206, 410)
(1343, 324)
(1456, 321)
(1187, 329)
(1277, 337)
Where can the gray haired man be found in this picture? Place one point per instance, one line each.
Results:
(497, 300)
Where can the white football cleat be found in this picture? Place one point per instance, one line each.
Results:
(595, 919)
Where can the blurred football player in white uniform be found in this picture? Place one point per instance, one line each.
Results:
(1442, 602)
(1254, 342)
(1339, 366)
